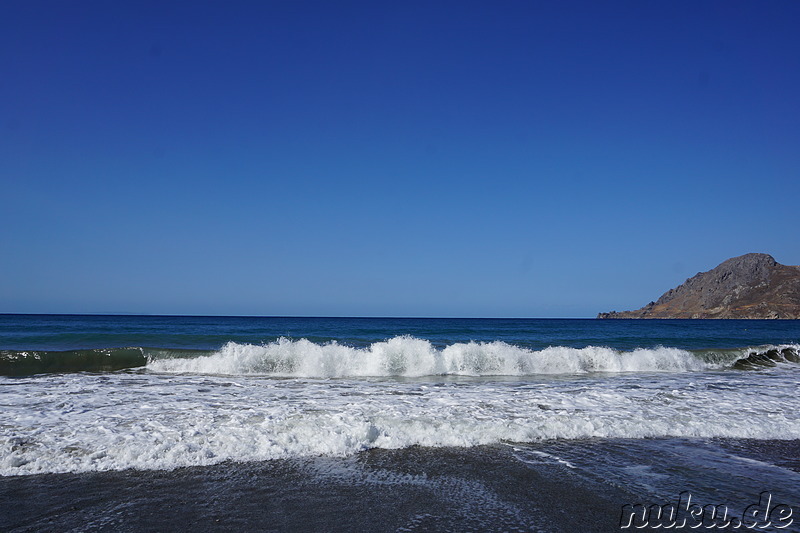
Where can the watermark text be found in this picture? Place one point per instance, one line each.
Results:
(686, 513)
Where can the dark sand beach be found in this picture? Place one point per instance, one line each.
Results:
(488, 488)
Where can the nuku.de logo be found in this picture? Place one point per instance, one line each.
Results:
(685, 514)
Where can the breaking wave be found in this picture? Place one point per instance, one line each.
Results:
(402, 356)
(411, 357)
(184, 408)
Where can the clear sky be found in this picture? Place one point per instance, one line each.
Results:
(530, 159)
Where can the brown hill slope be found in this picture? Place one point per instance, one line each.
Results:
(748, 286)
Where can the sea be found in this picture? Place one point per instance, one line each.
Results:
(189, 423)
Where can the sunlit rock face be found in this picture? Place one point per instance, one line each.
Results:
(749, 286)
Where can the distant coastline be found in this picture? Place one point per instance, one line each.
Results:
(750, 286)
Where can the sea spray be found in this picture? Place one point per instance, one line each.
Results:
(401, 356)
(406, 356)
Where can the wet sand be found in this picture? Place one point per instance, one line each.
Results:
(415, 489)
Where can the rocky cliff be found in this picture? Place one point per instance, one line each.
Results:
(748, 286)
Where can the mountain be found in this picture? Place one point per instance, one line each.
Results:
(748, 286)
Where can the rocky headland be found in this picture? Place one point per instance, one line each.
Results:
(749, 286)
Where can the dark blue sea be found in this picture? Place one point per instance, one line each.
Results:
(131, 423)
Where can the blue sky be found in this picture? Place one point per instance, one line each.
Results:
(531, 159)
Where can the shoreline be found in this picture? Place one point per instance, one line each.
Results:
(546, 486)
(425, 489)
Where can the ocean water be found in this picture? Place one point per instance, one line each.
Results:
(457, 424)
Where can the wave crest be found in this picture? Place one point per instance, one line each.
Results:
(406, 356)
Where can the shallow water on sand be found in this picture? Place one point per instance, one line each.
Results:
(555, 486)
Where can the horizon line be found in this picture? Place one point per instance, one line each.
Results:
(120, 314)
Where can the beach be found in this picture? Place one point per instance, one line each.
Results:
(488, 488)
(281, 424)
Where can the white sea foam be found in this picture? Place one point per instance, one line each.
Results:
(147, 420)
(411, 357)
